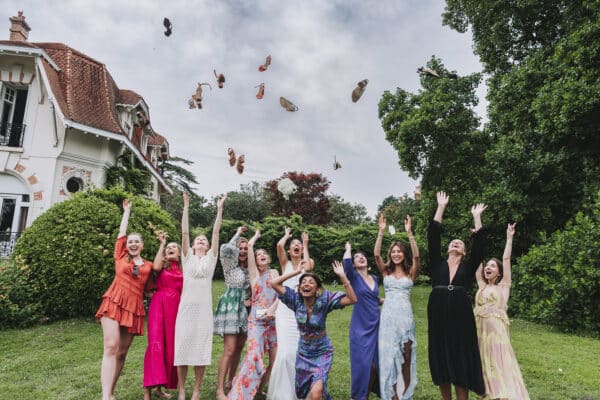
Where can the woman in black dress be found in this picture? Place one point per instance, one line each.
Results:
(453, 350)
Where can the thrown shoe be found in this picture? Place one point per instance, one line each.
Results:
(168, 27)
(231, 155)
(220, 79)
(240, 164)
(288, 105)
(261, 91)
(265, 66)
(359, 90)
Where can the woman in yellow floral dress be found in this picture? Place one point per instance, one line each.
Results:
(501, 372)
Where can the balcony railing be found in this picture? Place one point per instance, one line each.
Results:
(11, 134)
(7, 242)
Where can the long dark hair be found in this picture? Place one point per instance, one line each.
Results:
(406, 263)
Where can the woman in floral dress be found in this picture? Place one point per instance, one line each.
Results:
(397, 339)
(311, 304)
(231, 316)
(262, 337)
(501, 372)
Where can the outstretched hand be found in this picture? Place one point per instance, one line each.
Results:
(442, 199)
(221, 201)
(407, 224)
(287, 232)
(338, 269)
(126, 204)
(510, 230)
(348, 246)
(162, 237)
(256, 236)
(304, 237)
(382, 222)
(477, 209)
(241, 229)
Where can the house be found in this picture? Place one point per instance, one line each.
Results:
(63, 122)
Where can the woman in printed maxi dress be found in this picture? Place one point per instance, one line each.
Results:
(397, 340)
(364, 326)
(194, 326)
(501, 372)
(159, 370)
(262, 337)
(453, 351)
(231, 316)
(281, 386)
(310, 305)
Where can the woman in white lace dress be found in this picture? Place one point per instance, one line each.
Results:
(281, 385)
(194, 326)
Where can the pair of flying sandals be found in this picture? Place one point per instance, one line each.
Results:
(239, 162)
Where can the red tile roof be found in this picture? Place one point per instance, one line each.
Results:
(84, 89)
(127, 96)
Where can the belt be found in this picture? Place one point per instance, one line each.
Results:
(448, 287)
(317, 336)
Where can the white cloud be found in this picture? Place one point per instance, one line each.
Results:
(320, 50)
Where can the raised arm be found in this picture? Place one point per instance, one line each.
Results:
(281, 254)
(350, 298)
(214, 247)
(510, 233)
(229, 252)
(479, 276)
(377, 250)
(185, 225)
(442, 201)
(277, 283)
(476, 210)
(124, 218)
(252, 268)
(416, 260)
(305, 253)
(158, 259)
(479, 238)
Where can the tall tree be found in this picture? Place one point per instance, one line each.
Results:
(344, 213)
(309, 201)
(247, 204)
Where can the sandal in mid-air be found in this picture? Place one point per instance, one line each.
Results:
(288, 105)
(261, 91)
(359, 90)
(265, 66)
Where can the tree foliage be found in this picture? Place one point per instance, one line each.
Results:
(310, 200)
(559, 280)
(129, 174)
(345, 213)
(66, 256)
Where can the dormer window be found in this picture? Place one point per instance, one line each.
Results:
(12, 114)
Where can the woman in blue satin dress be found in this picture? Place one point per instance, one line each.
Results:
(364, 326)
(397, 340)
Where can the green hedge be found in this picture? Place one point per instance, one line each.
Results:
(326, 243)
(64, 260)
(559, 282)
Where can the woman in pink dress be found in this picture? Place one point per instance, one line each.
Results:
(158, 361)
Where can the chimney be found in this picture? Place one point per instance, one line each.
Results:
(19, 30)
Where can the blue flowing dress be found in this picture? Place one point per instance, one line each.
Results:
(315, 352)
(396, 328)
(364, 328)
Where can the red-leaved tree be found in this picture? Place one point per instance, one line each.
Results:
(309, 201)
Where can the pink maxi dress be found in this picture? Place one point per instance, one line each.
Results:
(160, 353)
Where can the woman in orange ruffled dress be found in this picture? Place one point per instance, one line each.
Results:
(121, 313)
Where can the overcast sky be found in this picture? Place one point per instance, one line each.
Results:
(320, 50)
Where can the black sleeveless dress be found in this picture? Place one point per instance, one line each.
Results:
(453, 349)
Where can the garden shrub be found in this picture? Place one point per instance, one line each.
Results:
(326, 243)
(18, 305)
(66, 256)
(558, 282)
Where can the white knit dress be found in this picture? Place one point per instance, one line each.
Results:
(283, 375)
(194, 326)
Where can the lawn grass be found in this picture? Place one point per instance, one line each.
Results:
(62, 360)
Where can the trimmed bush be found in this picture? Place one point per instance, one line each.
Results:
(559, 282)
(325, 243)
(65, 258)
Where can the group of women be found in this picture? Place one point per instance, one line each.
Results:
(284, 316)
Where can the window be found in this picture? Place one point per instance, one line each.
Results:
(74, 184)
(12, 114)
